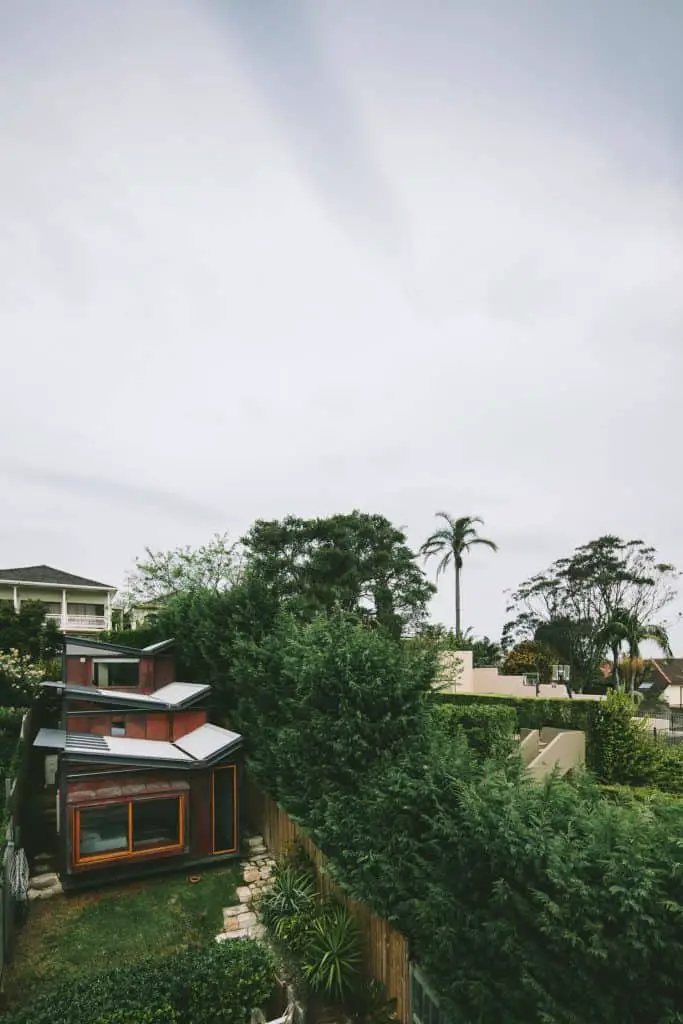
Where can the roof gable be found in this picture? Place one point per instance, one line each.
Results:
(50, 576)
(79, 645)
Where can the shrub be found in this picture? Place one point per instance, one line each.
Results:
(488, 728)
(623, 751)
(332, 953)
(220, 984)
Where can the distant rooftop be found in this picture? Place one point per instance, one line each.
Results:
(48, 575)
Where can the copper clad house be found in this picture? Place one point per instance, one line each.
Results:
(141, 779)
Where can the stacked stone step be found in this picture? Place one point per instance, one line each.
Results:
(241, 921)
(43, 886)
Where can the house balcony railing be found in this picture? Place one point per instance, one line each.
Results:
(67, 622)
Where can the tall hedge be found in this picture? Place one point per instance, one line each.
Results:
(220, 984)
(524, 903)
(488, 729)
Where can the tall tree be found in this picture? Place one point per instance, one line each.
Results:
(451, 542)
(356, 562)
(574, 605)
(625, 629)
(159, 575)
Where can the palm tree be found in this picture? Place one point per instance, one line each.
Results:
(451, 542)
(624, 627)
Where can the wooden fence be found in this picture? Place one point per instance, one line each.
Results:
(386, 949)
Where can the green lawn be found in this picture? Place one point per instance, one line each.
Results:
(84, 934)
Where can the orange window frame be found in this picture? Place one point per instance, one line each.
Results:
(130, 853)
(224, 768)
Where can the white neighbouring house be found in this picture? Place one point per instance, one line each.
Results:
(74, 603)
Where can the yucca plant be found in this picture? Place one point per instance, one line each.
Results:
(331, 959)
(288, 906)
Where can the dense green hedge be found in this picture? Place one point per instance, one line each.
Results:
(489, 729)
(534, 713)
(220, 984)
(523, 903)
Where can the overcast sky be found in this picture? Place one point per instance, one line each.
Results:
(261, 257)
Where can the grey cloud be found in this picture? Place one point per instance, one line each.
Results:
(92, 486)
(181, 313)
(312, 109)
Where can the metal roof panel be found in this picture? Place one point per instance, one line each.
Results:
(206, 741)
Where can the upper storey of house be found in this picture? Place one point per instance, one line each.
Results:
(118, 667)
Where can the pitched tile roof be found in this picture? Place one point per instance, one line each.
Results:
(46, 574)
(670, 669)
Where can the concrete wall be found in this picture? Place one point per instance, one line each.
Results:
(566, 749)
(458, 675)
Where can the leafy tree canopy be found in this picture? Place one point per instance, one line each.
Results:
(568, 606)
(28, 632)
(355, 562)
(485, 652)
(215, 566)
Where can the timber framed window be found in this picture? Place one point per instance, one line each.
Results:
(224, 809)
(128, 830)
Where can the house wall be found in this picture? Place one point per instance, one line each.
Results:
(162, 725)
(154, 672)
(673, 695)
(457, 675)
(110, 786)
(51, 595)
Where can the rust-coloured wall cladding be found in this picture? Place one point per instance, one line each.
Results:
(79, 671)
(187, 721)
(164, 670)
(160, 725)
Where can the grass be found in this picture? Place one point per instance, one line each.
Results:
(84, 934)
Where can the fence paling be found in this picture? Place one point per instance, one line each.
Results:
(386, 948)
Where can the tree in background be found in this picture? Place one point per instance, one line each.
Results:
(624, 629)
(531, 657)
(571, 605)
(485, 652)
(451, 542)
(356, 562)
(214, 566)
(28, 632)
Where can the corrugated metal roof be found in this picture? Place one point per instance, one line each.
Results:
(206, 741)
(158, 647)
(172, 695)
(50, 739)
(179, 693)
(198, 746)
(154, 750)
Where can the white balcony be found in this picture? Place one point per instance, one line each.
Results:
(94, 623)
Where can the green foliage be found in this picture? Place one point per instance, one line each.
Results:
(220, 984)
(529, 656)
(28, 632)
(368, 1004)
(569, 606)
(332, 954)
(316, 938)
(623, 752)
(485, 652)
(489, 728)
(449, 544)
(357, 563)
(534, 713)
(287, 908)
(361, 695)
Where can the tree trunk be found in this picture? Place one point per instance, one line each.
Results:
(615, 670)
(457, 599)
